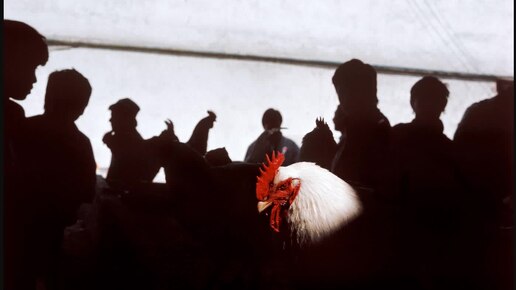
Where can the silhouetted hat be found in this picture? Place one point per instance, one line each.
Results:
(126, 107)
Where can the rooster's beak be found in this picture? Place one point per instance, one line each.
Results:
(262, 205)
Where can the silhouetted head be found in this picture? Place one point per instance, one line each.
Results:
(339, 119)
(428, 98)
(68, 94)
(24, 49)
(271, 119)
(123, 115)
(355, 84)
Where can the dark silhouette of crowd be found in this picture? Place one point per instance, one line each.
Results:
(438, 213)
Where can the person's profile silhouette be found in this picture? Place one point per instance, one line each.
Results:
(24, 49)
(360, 157)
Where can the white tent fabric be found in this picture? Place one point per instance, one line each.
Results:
(438, 34)
(462, 36)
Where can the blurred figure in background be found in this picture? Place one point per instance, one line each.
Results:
(272, 140)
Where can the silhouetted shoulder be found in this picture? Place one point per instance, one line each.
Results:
(418, 132)
(34, 120)
(488, 116)
(249, 152)
(401, 128)
(14, 111)
(479, 108)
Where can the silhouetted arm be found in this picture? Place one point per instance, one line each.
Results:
(108, 139)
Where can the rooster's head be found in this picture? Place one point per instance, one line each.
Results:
(313, 201)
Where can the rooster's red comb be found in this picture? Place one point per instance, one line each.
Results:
(267, 174)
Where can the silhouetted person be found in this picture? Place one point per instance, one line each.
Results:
(134, 160)
(318, 145)
(199, 139)
(360, 160)
(24, 49)
(484, 142)
(360, 157)
(272, 140)
(429, 188)
(63, 162)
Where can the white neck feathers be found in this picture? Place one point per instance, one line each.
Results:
(323, 205)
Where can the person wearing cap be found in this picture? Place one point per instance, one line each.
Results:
(62, 158)
(134, 160)
(272, 140)
(360, 157)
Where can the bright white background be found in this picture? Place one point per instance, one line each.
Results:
(463, 36)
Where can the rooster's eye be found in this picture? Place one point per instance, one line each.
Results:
(282, 187)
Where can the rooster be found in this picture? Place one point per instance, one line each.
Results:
(315, 202)
(318, 145)
(330, 237)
